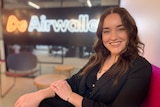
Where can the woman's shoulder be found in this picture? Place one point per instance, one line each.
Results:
(141, 67)
(140, 64)
(141, 61)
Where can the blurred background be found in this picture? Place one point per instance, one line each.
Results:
(69, 48)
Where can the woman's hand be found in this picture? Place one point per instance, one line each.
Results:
(34, 99)
(28, 100)
(62, 89)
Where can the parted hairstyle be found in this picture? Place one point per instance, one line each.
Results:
(134, 48)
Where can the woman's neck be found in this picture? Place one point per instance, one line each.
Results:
(107, 65)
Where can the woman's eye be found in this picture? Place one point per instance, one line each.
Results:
(106, 31)
(121, 29)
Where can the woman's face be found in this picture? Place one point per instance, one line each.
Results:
(114, 34)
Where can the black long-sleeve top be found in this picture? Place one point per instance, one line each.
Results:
(129, 92)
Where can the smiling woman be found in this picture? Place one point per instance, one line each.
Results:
(111, 74)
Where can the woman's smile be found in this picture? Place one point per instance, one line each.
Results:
(117, 43)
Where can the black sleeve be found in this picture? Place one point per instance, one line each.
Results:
(132, 92)
(74, 81)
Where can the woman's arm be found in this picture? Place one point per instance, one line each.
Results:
(46, 93)
(33, 99)
(63, 90)
(75, 99)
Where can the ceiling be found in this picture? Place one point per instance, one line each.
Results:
(7, 4)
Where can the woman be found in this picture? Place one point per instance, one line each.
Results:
(115, 76)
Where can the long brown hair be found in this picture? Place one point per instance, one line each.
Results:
(133, 49)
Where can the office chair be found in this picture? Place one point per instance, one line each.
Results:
(21, 64)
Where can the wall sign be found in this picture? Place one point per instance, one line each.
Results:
(42, 24)
(54, 26)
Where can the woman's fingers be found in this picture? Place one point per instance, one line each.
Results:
(61, 88)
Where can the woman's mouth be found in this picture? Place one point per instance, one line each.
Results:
(115, 43)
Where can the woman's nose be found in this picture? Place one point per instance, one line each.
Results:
(113, 35)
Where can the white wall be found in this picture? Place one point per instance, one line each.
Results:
(147, 16)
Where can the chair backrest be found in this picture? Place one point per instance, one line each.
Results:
(21, 61)
(153, 98)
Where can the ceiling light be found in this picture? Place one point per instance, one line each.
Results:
(89, 3)
(33, 5)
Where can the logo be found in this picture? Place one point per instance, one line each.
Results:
(14, 24)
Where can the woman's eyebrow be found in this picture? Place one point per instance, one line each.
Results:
(105, 28)
(120, 25)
